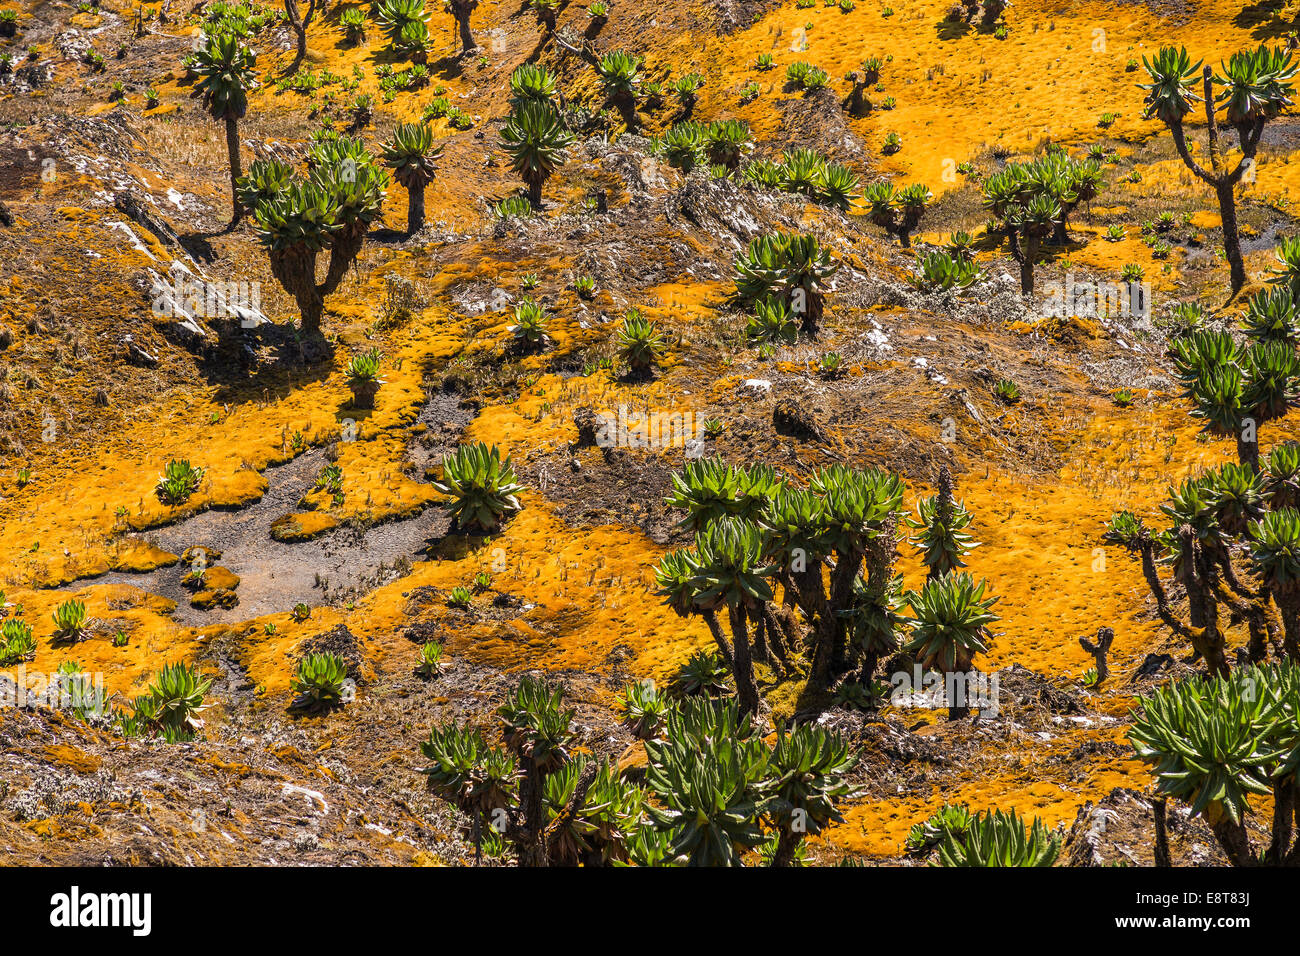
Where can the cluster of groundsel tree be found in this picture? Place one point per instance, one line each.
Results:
(713, 791)
(1231, 542)
(830, 548)
(224, 67)
(330, 209)
(786, 271)
(1033, 201)
(1215, 743)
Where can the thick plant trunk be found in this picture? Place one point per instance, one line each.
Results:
(414, 209)
(855, 97)
(812, 317)
(1284, 809)
(310, 312)
(956, 711)
(1247, 451)
(296, 271)
(724, 646)
(1147, 552)
(1027, 265)
(344, 249)
(812, 598)
(1235, 842)
(232, 152)
(1231, 239)
(1289, 608)
(300, 37)
(786, 845)
(746, 690)
(535, 193)
(625, 103)
(1200, 579)
(1100, 649)
(759, 652)
(841, 596)
(1256, 619)
(532, 848)
(775, 637)
(467, 44)
(1260, 638)
(870, 658)
(1158, 807)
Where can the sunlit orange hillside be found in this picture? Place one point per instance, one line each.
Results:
(446, 434)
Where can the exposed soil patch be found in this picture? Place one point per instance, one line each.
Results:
(335, 566)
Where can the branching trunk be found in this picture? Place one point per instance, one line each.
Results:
(1099, 649)
(299, 27)
(1147, 552)
(344, 248)
(776, 638)
(1219, 179)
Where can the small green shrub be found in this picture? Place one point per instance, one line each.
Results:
(70, 620)
(318, 682)
(640, 344)
(702, 675)
(16, 641)
(431, 663)
(482, 488)
(1000, 839)
(178, 482)
(645, 710)
(529, 328)
(1007, 391)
